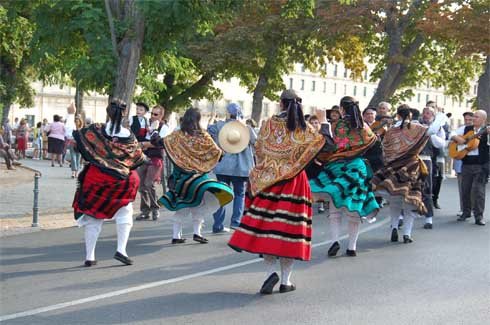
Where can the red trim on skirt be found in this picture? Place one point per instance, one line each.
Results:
(277, 221)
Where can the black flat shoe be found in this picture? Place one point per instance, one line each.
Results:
(283, 288)
(200, 239)
(332, 251)
(123, 259)
(428, 226)
(480, 222)
(407, 239)
(178, 241)
(394, 235)
(350, 252)
(90, 263)
(269, 284)
(462, 218)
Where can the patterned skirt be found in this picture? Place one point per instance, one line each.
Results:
(403, 178)
(347, 183)
(186, 190)
(277, 221)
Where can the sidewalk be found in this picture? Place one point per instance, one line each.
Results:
(56, 191)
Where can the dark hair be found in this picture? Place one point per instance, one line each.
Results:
(352, 112)
(39, 124)
(404, 111)
(335, 107)
(115, 111)
(307, 117)
(312, 118)
(369, 108)
(415, 114)
(251, 122)
(295, 113)
(56, 118)
(190, 121)
(143, 105)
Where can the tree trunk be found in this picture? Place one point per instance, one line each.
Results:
(5, 110)
(79, 102)
(483, 91)
(129, 50)
(258, 97)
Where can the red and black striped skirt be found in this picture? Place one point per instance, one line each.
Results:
(277, 221)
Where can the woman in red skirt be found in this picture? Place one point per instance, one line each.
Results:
(277, 218)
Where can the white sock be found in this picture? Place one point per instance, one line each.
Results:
(353, 229)
(270, 263)
(92, 232)
(334, 223)
(286, 270)
(123, 231)
(408, 225)
(394, 222)
(428, 220)
(177, 230)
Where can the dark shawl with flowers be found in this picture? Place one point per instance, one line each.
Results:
(113, 155)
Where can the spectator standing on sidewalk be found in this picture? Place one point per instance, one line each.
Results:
(233, 169)
(150, 172)
(38, 142)
(56, 139)
(21, 135)
(5, 150)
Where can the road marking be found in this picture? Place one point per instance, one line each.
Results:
(158, 283)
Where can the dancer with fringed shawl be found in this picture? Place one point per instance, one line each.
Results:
(108, 184)
(277, 219)
(403, 174)
(191, 191)
(345, 178)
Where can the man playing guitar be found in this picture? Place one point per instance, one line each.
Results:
(475, 169)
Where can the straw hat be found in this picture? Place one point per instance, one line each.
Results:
(234, 137)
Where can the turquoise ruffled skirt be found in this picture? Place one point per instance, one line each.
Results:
(187, 190)
(348, 185)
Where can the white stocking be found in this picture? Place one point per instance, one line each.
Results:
(92, 230)
(409, 218)
(270, 262)
(353, 229)
(286, 270)
(395, 210)
(123, 231)
(196, 222)
(178, 220)
(334, 223)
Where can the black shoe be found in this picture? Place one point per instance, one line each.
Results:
(394, 235)
(436, 204)
(123, 259)
(480, 222)
(332, 251)
(178, 241)
(400, 223)
(428, 226)
(463, 218)
(200, 239)
(269, 284)
(142, 217)
(90, 263)
(407, 239)
(283, 288)
(350, 252)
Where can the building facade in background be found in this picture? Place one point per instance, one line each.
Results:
(314, 89)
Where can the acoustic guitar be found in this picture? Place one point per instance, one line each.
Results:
(459, 151)
(380, 124)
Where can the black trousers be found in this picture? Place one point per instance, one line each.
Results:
(474, 180)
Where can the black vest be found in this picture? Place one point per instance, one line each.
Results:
(155, 152)
(483, 155)
(136, 127)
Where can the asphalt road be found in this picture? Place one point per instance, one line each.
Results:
(441, 278)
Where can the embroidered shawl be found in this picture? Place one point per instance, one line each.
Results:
(348, 143)
(197, 153)
(113, 155)
(282, 154)
(399, 143)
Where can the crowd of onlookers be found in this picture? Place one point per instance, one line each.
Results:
(43, 141)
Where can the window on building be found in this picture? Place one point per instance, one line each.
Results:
(366, 75)
(325, 68)
(374, 90)
(302, 84)
(335, 88)
(303, 69)
(467, 103)
(241, 103)
(355, 90)
(346, 71)
(265, 109)
(364, 92)
(313, 85)
(445, 100)
(428, 84)
(291, 83)
(324, 86)
(426, 98)
(345, 89)
(475, 88)
(335, 70)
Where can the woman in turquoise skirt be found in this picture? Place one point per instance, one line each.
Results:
(343, 177)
